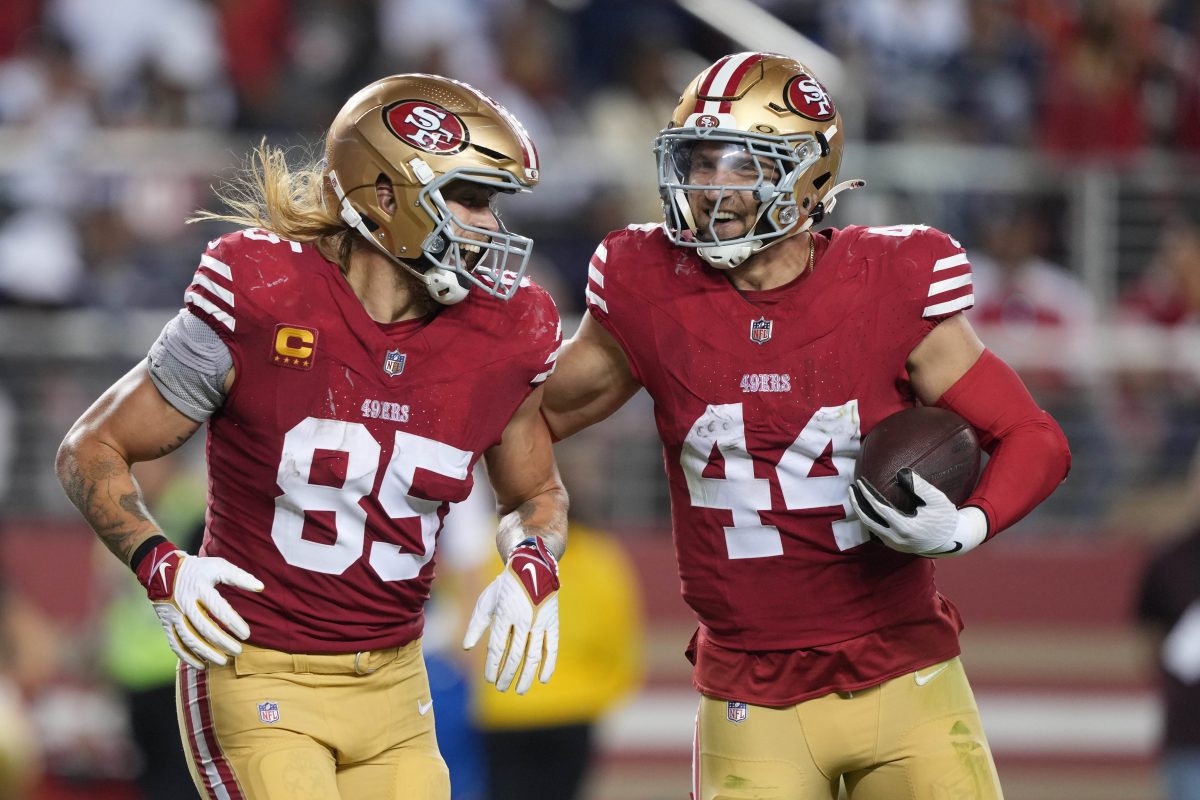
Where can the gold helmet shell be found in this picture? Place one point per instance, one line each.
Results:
(773, 108)
(421, 132)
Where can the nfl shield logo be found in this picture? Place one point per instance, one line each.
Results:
(736, 712)
(393, 362)
(268, 712)
(760, 330)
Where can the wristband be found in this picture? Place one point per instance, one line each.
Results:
(144, 549)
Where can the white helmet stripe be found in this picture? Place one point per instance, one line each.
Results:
(723, 81)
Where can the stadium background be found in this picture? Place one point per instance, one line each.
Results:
(1058, 140)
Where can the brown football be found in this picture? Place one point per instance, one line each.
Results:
(937, 444)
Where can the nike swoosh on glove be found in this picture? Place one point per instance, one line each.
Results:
(195, 617)
(937, 529)
(521, 608)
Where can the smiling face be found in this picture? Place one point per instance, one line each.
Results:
(720, 209)
(471, 205)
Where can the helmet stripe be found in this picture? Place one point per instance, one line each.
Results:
(528, 150)
(531, 156)
(707, 83)
(722, 81)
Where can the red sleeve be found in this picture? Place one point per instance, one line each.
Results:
(546, 329)
(1029, 453)
(616, 309)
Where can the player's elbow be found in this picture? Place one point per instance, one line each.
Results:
(66, 460)
(556, 423)
(1054, 444)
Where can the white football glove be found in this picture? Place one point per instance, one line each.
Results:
(521, 608)
(183, 590)
(937, 529)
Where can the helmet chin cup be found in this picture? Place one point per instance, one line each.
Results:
(728, 256)
(443, 286)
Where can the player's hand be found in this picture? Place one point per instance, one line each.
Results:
(521, 608)
(937, 529)
(196, 618)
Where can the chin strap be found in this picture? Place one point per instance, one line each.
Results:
(442, 284)
(825, 206)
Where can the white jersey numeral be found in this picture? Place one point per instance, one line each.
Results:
(362, 452)
(259, 235)
(897, 230)
(722, 429)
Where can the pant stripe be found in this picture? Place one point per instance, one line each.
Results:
(211, 764)
(696, 757)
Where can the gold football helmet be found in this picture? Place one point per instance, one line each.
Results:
(422, 132)
(772, 130)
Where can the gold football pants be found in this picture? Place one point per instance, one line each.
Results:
(915, 737)
(278, 726)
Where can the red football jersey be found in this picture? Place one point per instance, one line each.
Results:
(343, 440)
(761, 400)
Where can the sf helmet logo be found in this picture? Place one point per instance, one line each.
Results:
(808, 98)
(426, 126)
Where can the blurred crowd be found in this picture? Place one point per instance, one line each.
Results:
(116, 117)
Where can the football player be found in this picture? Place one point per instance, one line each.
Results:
(355, 348)
(824, 654)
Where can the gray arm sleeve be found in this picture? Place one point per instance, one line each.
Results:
(188, 363)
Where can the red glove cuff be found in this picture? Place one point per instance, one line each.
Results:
(1029, 453)
(156, 570)
(535, 567)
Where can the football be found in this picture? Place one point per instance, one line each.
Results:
(937, 444)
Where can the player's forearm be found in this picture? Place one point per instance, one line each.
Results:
(98, 481)
(1030, 456)
(543, 515)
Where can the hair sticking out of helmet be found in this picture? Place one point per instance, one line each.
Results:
(754, 123)
(420, 133)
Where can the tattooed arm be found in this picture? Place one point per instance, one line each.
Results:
(529, 492)
(130, 422)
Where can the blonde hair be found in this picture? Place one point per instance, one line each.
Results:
(288, 201)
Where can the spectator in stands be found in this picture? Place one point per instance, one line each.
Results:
(624, 116)
(19, 757)
(1159, 398)
(1168, 291)
(1015, 282)
(1168, 604)
(1097, 56)
(1032, 306)
(994, 80)
(150, 61)
(916, 42)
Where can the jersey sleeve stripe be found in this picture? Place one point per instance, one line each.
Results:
(210, 308)
(218, 267)
(596, 275)
(552, 360)
(937, 287)
(595, 300)
(214, 287)
(950, 261)
(957, 304)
